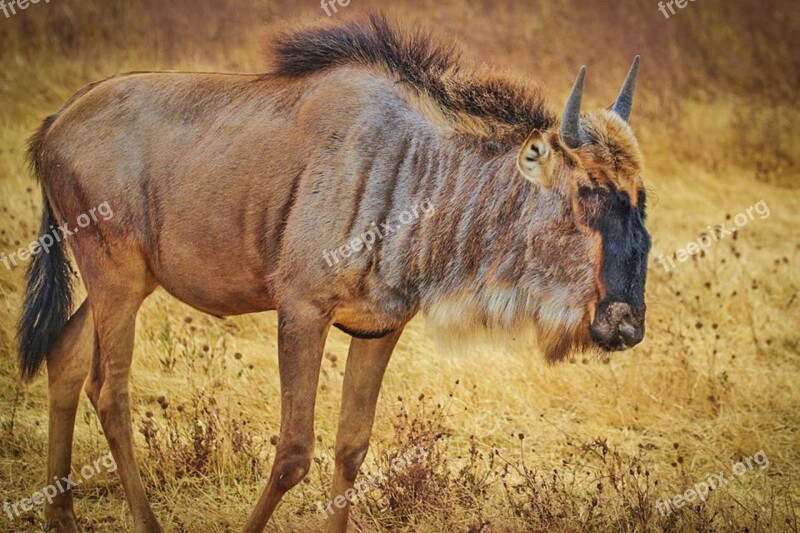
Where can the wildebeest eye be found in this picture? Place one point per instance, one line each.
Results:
(593, 204)
(589, 193)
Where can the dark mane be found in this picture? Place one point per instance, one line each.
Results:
(496, 106)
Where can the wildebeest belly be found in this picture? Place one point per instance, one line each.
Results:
(198, 186)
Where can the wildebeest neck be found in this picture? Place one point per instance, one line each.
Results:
(497, 252)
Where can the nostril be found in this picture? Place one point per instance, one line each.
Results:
(631, 333)
(617, 326)
(627, 330)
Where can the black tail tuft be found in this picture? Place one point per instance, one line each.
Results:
(48, 303)
(48, 298)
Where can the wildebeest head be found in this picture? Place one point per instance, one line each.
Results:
(593, 160)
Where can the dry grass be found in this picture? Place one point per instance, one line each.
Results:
(515, 445)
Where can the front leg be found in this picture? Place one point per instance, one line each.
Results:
(301, 339)
(366, 364)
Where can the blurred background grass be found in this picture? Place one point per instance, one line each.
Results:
(515, 445)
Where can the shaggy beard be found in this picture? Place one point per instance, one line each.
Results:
(512, 321)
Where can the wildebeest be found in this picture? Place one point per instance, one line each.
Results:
(227, 188)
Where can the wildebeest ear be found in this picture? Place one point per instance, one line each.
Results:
(534, 161)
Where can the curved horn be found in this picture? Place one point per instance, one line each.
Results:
(624, 103)
(571, 119)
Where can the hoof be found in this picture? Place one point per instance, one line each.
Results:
(147, 525)
(62, 524)
(148, 528)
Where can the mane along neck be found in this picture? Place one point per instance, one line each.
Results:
(478, 102)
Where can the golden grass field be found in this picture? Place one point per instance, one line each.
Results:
(513, 445)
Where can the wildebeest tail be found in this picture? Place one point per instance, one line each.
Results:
(48, 297)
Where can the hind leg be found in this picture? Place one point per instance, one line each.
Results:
(67, 368)
(115, 299)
